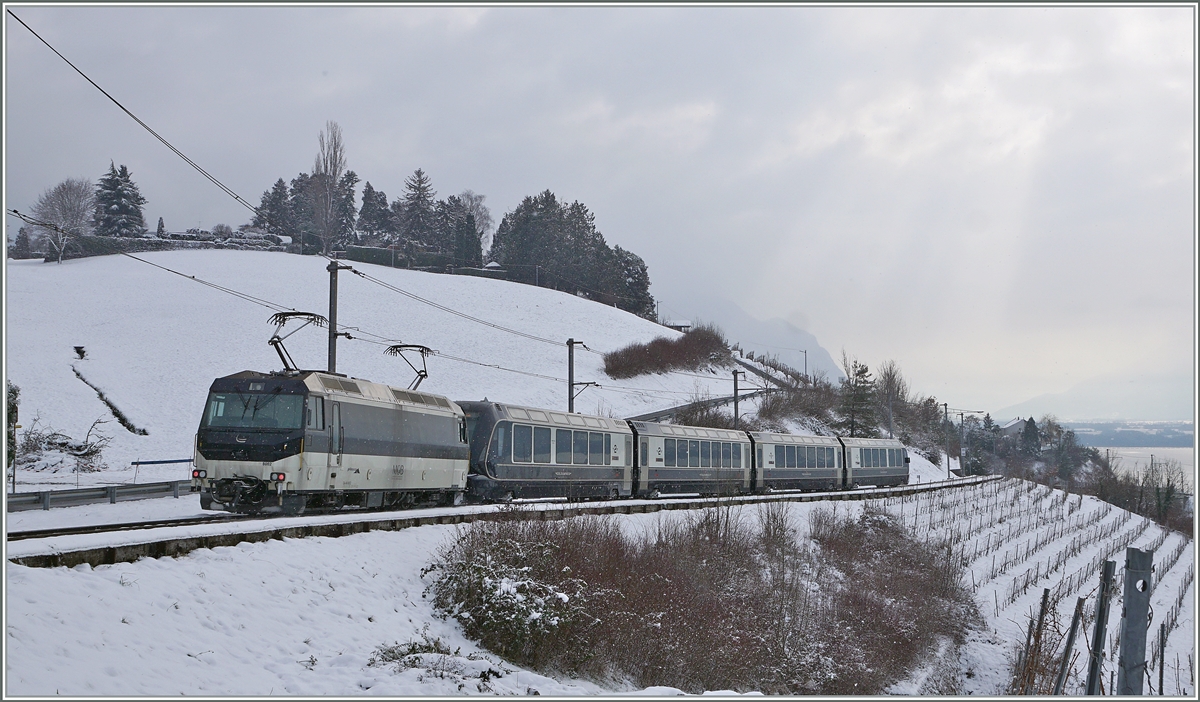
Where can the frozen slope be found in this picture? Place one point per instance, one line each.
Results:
(155, 340)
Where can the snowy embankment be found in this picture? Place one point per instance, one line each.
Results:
(305, 616)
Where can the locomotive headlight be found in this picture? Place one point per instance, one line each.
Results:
(199, 473)
(280, 477)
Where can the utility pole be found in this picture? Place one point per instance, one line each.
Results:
(805, 352)
(333, 268)
(961, 438)
(571, 374)
(946, 409)
(736, 416)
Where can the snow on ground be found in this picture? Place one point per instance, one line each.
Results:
(303, 616)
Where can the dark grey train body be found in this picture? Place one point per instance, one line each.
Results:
(309, 440)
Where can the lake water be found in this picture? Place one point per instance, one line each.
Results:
(1138, 458)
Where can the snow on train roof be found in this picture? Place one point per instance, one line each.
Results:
(655, 429)
(563, 419)
(764, 437)
(889, 443)
(379, 391)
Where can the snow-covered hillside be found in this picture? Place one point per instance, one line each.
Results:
(154, 341)
(303, 616)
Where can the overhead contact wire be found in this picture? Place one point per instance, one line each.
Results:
(227, 190)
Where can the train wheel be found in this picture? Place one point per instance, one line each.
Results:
(614, 494)
(654, 494)
(506, 498)
(206, 500)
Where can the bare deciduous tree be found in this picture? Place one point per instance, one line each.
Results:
(327, 171)
(67, 206)
(483, 216)
(891, 390)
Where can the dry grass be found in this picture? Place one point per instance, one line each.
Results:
(723, 598)
(702, 346)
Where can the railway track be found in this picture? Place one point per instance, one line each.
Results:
(129, 526)
(259, 529)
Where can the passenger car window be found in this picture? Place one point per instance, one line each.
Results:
(522, 443)
(669, 453)
(581, 448)
(562, 446)
(541, 444)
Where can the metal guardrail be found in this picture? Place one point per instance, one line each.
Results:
(46, 499)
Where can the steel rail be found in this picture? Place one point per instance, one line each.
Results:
(361, 523)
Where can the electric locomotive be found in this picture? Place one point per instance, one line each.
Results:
(295, 441)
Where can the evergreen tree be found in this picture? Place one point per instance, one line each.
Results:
(633, 283)
(374, 220)
(1031, 443)
(22, 248)
(274, 214)
(162, 228)
(118, 204)
(468, 250)
(13, 398)
(300, 203)
(857, 406)
(345, 212)
(417, 221)
(557, 245)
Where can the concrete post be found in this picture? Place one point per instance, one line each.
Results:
(1131, 662)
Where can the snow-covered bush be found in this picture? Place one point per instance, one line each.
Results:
(709, 600)
(45, 449)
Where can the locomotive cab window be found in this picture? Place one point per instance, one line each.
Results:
(254, 410)
(315, 411)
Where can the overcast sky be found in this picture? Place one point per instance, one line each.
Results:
(1002, 200)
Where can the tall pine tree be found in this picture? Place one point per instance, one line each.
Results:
(118, 205)
(274, 214)
(857, 407)
(557, 245)
(416, 210)
(374, 220)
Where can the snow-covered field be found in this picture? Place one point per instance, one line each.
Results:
(303, 616)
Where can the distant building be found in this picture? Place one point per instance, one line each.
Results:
(681, 325)
(1013, 428)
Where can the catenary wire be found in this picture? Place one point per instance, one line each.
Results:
(224, 188)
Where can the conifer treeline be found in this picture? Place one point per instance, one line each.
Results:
(542, 242)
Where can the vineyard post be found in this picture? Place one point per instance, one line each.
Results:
(1066, 659)
(1132, 659)
(1097, 650)
(1162, 654)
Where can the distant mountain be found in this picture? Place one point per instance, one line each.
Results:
(775, 337)
(1147, 397)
